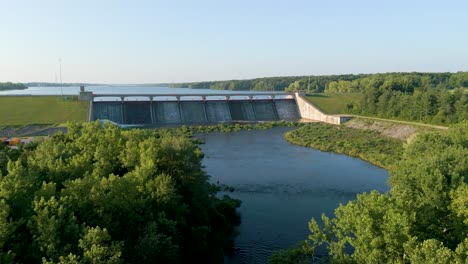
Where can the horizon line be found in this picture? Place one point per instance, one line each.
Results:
(246, 79)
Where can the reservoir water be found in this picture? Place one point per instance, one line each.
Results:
(115, 89)
(282, 186)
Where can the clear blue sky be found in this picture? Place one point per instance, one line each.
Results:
(132, 41)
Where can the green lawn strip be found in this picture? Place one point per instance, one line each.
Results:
(333, 103)
(25, 110)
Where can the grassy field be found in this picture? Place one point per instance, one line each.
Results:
(23, 110)
(333, 103)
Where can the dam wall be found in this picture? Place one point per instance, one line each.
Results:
(169, 112)
(207, 109)
(311, 112)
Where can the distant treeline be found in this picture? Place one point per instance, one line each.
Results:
(316, 83)
(51, 84)
(405, 82)
(438, 98)
(12, 86)
(437, 106)
(402, 82)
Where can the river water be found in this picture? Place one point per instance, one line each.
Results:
(282, 186)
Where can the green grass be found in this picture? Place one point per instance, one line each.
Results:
(333, 103)
(364, 144)
(23, 110)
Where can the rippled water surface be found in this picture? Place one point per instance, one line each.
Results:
(282, 186)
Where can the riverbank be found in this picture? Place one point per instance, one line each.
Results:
(378, 142)
(367, 145)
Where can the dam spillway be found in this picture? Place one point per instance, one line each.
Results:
(202, 109)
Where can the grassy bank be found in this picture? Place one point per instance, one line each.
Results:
(226, 128)
(333, 103)
(23, 110)
(364, 144)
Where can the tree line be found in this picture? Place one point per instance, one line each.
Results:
(436, 106)
(402, 82)
(405, 82)
(104, 195)
(12, 86)
(315, 83)
(438, 98)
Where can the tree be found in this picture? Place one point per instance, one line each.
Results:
(98, 247)
(423, 219)
(102, 195)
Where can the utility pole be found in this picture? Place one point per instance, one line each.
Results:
(61, 84)
(308, 86)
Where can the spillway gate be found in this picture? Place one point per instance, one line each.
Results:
(165, 109)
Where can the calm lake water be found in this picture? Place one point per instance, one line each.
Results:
(282, 186)
(112, 89)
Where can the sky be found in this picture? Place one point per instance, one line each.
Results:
(133, 41)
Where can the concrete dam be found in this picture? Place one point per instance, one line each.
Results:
(193, 109)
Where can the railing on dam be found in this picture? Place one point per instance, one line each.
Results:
(166, 109)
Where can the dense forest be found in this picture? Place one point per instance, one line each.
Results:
(423, 219)
(317, 83)
(438, 98)
(103, 195)
(436, 106)
(12, 86)
(345, 83)
(402, 82)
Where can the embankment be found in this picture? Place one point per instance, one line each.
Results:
(367, 145)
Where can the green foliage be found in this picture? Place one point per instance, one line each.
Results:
(430, 180)
(345, 83)
(290, 84)
(432, 251)
(435, 106)
(437, 98)
(103, 195)
(366, 145)
(402, 82)
(226, 128)
(7, 154)
(421, 220)
(294, 255)
(12, 86)
(98, 248)
(334, 103)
